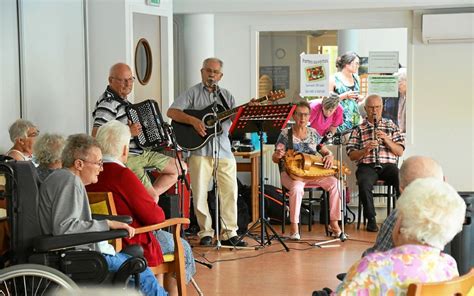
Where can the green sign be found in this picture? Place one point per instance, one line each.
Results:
(154, 2)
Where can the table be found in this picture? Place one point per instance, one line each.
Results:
(253, 168)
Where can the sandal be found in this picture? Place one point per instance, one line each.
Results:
(333, 233)
(295, 236)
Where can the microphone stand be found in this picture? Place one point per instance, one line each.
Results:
(215, 166)
(183, 182)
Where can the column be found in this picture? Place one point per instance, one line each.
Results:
(198, 33)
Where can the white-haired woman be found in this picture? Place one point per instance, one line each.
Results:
(23, 134)
(430, 213)
(47, 153)
(131, 197)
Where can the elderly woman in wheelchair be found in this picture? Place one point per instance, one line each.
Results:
(62, 215)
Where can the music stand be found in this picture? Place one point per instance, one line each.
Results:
(259, 119)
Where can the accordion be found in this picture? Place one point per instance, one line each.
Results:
(153, 134)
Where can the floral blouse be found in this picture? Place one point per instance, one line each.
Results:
(391, 272)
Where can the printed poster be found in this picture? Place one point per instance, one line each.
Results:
(314, 75)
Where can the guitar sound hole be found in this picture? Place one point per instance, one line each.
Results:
(209, 120)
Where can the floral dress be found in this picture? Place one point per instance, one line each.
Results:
(391, 272)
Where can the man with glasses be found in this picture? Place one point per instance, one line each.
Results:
(375, 141)
(112, 105)
(63, 206)
(201, 161)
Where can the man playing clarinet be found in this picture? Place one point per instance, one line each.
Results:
(375, 145)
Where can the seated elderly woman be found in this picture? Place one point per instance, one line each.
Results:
(23, 134)
(326, 116)
(131, 197)
(429, 214)
(305, 139)
(47, 154)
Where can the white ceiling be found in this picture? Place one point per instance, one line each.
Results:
(297, 6)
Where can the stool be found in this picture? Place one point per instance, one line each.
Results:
(310, 202)
(389, 193)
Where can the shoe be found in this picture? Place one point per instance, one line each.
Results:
(333, 233)
(372, 225)
(295, 236)
(234, 241)
(341, 276)
(206, 241)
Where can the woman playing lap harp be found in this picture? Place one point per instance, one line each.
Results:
(301, 138)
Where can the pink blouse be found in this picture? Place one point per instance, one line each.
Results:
(321, 123)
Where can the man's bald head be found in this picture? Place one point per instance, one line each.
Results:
(121, 79)
(416, 167)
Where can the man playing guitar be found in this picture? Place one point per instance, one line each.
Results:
(201, 160)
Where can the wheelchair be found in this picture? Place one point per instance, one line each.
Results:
(36, 264)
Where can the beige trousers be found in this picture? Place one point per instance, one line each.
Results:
(200, 171)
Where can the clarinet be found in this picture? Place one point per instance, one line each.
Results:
(377, 166)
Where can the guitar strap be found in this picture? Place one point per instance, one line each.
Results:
(224, 102)
(290, 139)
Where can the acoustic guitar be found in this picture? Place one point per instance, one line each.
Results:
(189, 139)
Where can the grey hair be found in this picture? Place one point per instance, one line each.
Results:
(372, 96)
(330, 102)
(19, 129)
(431, 212)
(112, 136)
(416, 167)
(206, 61)
(48, 148)
(401, 74)
(77, 147)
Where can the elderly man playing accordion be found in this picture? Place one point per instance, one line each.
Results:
(375, 145)
(302, 138)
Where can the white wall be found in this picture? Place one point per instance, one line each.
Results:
(435, 98)
(54, 65)
(50, 62)
(9, 75)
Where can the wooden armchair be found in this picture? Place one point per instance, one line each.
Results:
(463, 285)
(103, 203)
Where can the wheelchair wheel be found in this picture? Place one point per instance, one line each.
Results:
(33, 279)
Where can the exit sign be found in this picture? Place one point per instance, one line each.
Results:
(153, 2)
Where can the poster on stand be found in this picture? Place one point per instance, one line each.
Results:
(314, 75)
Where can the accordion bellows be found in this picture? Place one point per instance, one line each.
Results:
(307, 166)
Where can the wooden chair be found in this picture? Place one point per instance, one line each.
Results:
(103, 203)
(463, 285)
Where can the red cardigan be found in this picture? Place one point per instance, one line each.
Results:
(132, 199)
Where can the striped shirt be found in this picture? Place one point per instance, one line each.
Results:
(111, 106)
(365, 132)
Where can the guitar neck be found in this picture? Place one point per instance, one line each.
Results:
(228, 113)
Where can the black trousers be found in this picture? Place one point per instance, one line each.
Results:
(367, 176)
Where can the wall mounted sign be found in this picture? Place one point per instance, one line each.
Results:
(383, 62)
(280, 76)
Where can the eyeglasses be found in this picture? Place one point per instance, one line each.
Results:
(100, 163)
(210, 71)
(121, 81)
(301, 114)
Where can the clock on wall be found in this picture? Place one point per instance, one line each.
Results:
(280, 53)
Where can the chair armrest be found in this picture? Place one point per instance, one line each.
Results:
(166, 223)
(48, 242)
(119, 218)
